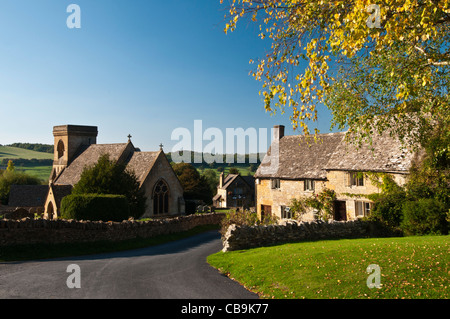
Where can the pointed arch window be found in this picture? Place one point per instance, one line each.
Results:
(50, 211)
(161, 198)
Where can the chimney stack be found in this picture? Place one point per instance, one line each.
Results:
(278, 132)
(221, 180)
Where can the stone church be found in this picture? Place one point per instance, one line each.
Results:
(76, 148)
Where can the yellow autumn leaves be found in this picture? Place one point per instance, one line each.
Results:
(311, 34)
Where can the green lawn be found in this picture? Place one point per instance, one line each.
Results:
(410, 267)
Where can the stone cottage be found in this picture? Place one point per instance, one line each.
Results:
(76, 148)
(235, 191)
(305, 167)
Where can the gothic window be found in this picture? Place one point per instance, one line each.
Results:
(50, 211)
(161, 198)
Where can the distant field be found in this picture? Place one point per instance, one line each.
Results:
(15, 152)
(40, 171)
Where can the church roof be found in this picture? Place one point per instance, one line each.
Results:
(138, 162)
(59, 192)
(141, 163)
(89, 157)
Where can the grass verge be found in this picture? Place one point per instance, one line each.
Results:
(410, 267)
(46, 251)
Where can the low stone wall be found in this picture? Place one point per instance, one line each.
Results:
(41, 231)
(245, 237)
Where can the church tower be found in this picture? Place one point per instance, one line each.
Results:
(68, 140)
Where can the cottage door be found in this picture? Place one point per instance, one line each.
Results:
(340, 210)
(266, 210)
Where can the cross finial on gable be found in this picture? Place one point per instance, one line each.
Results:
(161, 146)
(129, 137)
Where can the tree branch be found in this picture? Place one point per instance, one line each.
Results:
(430, 61)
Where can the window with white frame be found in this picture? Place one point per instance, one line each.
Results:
(275, 183)
(286, 212)
(309, 185)
(362, 209)
(356, 179)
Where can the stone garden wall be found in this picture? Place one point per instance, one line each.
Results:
(245, 237)
(41, 231)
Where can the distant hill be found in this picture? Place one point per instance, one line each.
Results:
(46, 148)
(239, 160)
(40, 163)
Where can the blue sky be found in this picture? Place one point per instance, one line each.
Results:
(139, 67)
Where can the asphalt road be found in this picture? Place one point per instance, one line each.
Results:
(175, 270)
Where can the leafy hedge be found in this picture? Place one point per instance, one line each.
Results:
(95, 207)
(416, 208)
(425, 216)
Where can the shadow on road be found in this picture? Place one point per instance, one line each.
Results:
(171, 247)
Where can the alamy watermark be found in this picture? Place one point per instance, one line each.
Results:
(74, 279)
(374, 279)
(373, 21)
(74, 19)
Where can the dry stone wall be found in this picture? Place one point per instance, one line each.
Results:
(245, 237)
(42, 231)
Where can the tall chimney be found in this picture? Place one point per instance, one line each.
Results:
(221, 180)
(278, 132)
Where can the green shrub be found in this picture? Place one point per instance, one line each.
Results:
(95, 207)
(109, 177)
(424, 216)
(387, 205)
(387, 208)
(12, 177)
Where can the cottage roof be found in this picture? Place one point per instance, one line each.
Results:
(230, 178)
(27, 195)
(385, 154)
(301, 158)
(90, 156)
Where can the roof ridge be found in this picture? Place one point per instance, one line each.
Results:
(106, 144)
(320, 134)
